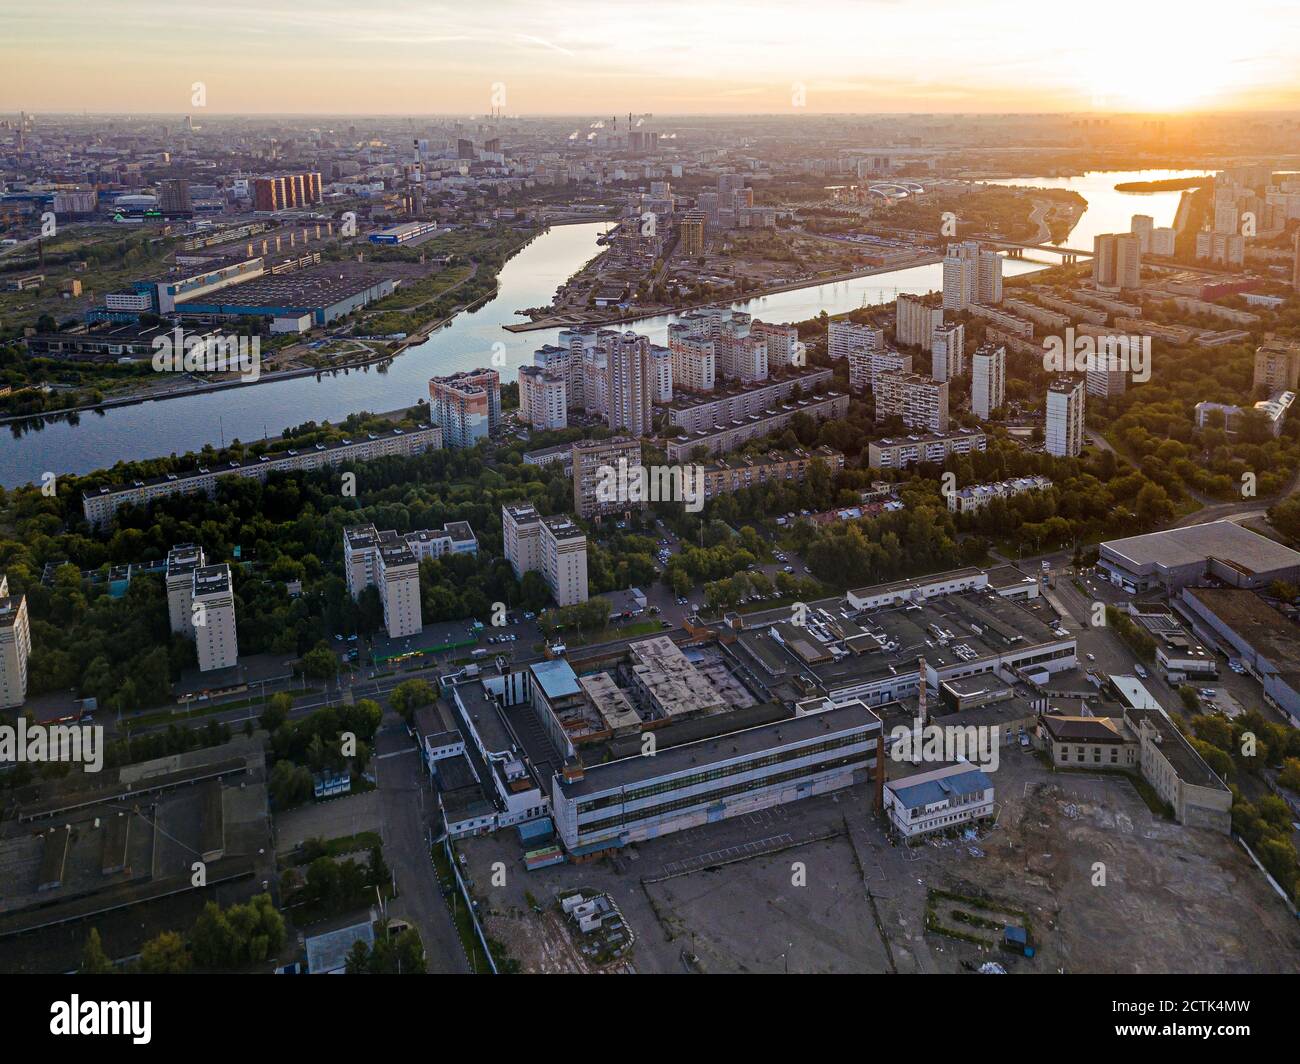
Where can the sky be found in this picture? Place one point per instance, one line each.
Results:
(664, 57)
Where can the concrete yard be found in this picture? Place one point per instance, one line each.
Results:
(801, 910)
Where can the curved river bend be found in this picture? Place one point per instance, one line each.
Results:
(146, 430)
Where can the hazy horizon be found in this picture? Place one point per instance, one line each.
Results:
(677, 57)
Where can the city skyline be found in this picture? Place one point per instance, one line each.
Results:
(403, 57)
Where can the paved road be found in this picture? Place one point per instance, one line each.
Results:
(405, 806)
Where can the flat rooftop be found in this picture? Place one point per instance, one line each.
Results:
(1256, 622)
(694, 756)
(1194, 544)
(947, 630)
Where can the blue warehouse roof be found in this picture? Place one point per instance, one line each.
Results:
(919, 795)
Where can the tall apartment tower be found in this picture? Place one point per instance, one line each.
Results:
(961, 275)
(694, 359)
(385, 561)
(520, 535)
(631, 385)
(553, 546)
(865, 367)
(843, 338)
(1295, 265)
(215, 638)
(543, 397)
(175, 197)
(1142, 226)
(988, 380)
(15, 646)
(467, 406)
(566, 360)
(989, 278)
(922, 403)
(782, 343)
(691, 233)
(661, 374)
(915, 322)
(1063, 435)
(564, 559)
(1117, 260)
(948, 352)
(182, 560)
(590, 459)
(398, 580)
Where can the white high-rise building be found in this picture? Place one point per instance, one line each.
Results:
(989, 280)
(961, 275)
(520, 534)
(182, 560)
(213, 612)
(988, 380)
(553, 546)
(1162, 241)
(782, 343)
(865, 367)
(1063, 433)
(631, 385)
(948, 352)
(595, 389)
(15, 646)
(564, 559)
(398, 581)
(1142, 226)
(843, 338)
(694, 359)
(661, 373)
(922, 403)
(915, 322)
(543, 397)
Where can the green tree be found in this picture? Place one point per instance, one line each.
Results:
(165, 955)
(94, 961)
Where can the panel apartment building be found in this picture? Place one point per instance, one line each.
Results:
(1063, 434)
(15, 646)
(466, 406)
(921, 402)
(213, 613)
(389, 561)
(553, 546)
(100, 504)
(201, 605)
(589, 458)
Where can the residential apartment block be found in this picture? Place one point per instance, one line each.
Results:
(100, 504)
(15, 646)
(213, 611)
(988, 380)
(589, 458)
(553, 546)
(921, 402)
(1063, 433)
(467, 406)
(902, 452)
(867, 365)
(735, 474)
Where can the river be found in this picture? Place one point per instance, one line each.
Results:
(96, 440)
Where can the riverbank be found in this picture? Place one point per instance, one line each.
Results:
(419, 336)
(567, 321)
